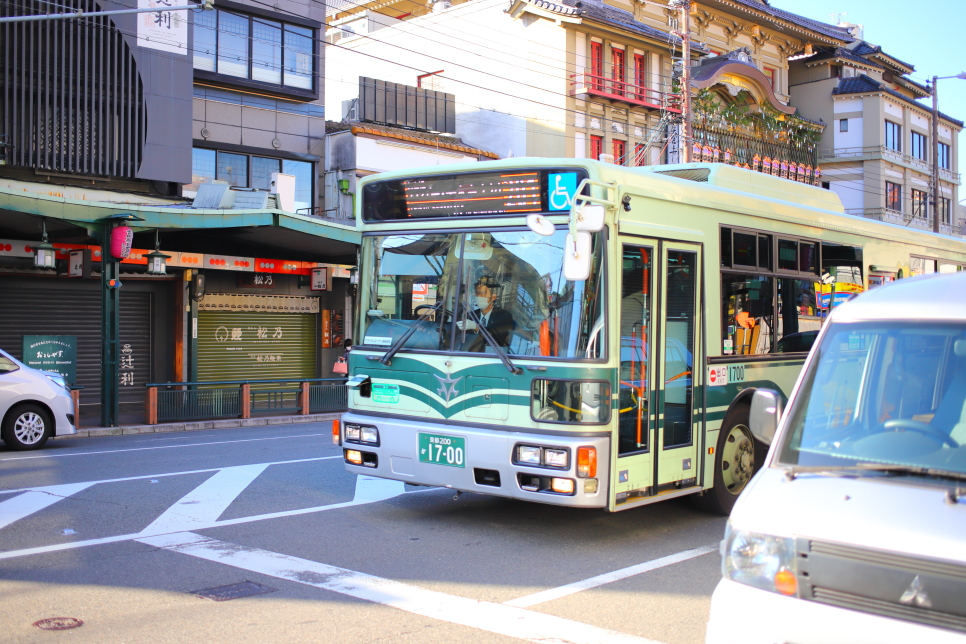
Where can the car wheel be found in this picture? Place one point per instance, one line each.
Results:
(26, 427)
(737, 457)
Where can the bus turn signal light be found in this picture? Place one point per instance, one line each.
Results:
(587, 462)
(335, 432)
(785, 582)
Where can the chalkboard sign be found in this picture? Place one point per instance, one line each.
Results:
(52, 353)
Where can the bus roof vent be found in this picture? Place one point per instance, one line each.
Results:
(691, 174)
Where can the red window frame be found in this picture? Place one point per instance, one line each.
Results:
(596, 147)
(769, 72)
(640, 151)
(620, 152)
(617, 71)
(640, 76)
(596, 65)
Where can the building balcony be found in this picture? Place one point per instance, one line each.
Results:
(877, 152)
(918, 222)
(584, 85)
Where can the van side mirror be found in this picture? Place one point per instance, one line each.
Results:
(766, 411)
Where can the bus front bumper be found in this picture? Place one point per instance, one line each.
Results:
(487, 461)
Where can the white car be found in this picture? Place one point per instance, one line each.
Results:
(34, 405)
(854, 530)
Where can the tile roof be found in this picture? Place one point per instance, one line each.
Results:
(843, 53)
(862, 84)
(414, 136)
(833, 31)
(595, 10)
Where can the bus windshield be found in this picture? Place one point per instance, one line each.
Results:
(448, 284)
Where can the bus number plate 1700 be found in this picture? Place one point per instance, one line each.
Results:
(442, 450)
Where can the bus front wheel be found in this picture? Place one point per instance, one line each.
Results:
(737, 457)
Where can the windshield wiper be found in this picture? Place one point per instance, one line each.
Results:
(889, 468)
(504, 358)
(398, 344)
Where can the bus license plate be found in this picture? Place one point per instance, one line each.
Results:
(442, 450)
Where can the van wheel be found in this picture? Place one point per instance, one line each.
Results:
(26, 427)
(737, 457)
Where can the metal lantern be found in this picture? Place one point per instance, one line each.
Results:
(157, 261)
(44, 252)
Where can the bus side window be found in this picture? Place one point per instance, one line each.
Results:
(746, 313)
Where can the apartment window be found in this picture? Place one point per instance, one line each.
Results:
(596, 65)
(596, 147)
(893, 196)
(640, 76)
(770, 73)
(943, 209)
(920, 201)
(944, 156)
(253, 48)
(640, 154)
(917, 143)
(893, 136)
(843, 125)
(617, 71)
(249, 171)
(620, 152)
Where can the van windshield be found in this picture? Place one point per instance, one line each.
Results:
(884, 393)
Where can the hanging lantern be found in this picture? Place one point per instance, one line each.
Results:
(157, 261)
(808, 174)
(784, 169)
(44, 252)
(121, 239)
(793, 171)
(716, 154)
(756, 163)
(818, 176)
(696, 152)
(727, 156)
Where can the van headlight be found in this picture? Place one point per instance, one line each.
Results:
(760, 560)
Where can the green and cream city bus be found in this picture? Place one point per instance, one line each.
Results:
(590, 335)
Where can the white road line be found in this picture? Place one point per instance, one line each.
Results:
(39, 550)
(35, 500)
(609, 577)
(182, 473)
(485, 616)
(370, 489)
(138, 449)
(206, 502)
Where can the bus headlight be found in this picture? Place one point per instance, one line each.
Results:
(529, 455)
(353, 432)
(555, 457)
(370, 435)
(760, 560)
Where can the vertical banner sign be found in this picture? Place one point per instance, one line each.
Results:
(163, 30)
(125, 376)
(338, 328)
(326, 329)
(52, 353)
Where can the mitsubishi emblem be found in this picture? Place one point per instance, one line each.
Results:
(916, 594)
(444, 390)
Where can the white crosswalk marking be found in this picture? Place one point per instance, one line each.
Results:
(35, 500)
(487, 616)
(205, 503)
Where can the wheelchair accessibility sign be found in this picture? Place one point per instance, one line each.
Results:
(561, 189)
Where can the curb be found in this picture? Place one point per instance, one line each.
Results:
(195, 426)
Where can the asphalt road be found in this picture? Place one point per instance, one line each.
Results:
(120, 532)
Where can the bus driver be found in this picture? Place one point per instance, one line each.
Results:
(499, 322)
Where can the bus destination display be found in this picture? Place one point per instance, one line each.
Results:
(471, 195)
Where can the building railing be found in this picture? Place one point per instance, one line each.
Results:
(903, 219)
(887, 153)
(619, 90)
(332, 214)
(744, 148)
(202, 400)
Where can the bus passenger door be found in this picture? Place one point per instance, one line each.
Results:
(633, 476)
(678, 426)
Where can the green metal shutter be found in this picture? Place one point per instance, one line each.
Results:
(256, 346)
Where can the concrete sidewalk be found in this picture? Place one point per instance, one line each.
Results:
(201, 424)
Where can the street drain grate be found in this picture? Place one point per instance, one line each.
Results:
(58, 623)
(233, 591)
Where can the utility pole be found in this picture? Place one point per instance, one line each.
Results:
(686, 137)
(934, 188)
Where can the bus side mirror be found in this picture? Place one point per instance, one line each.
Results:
(766, 411)
(577, 257)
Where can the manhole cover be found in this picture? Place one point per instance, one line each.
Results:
(233, 591)
(58, 623)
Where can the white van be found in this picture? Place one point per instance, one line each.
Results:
(854, 530)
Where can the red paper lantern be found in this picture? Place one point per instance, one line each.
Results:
(121, 239)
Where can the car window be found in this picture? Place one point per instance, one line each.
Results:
(7, 365)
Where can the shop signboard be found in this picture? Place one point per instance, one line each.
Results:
(52, 353)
